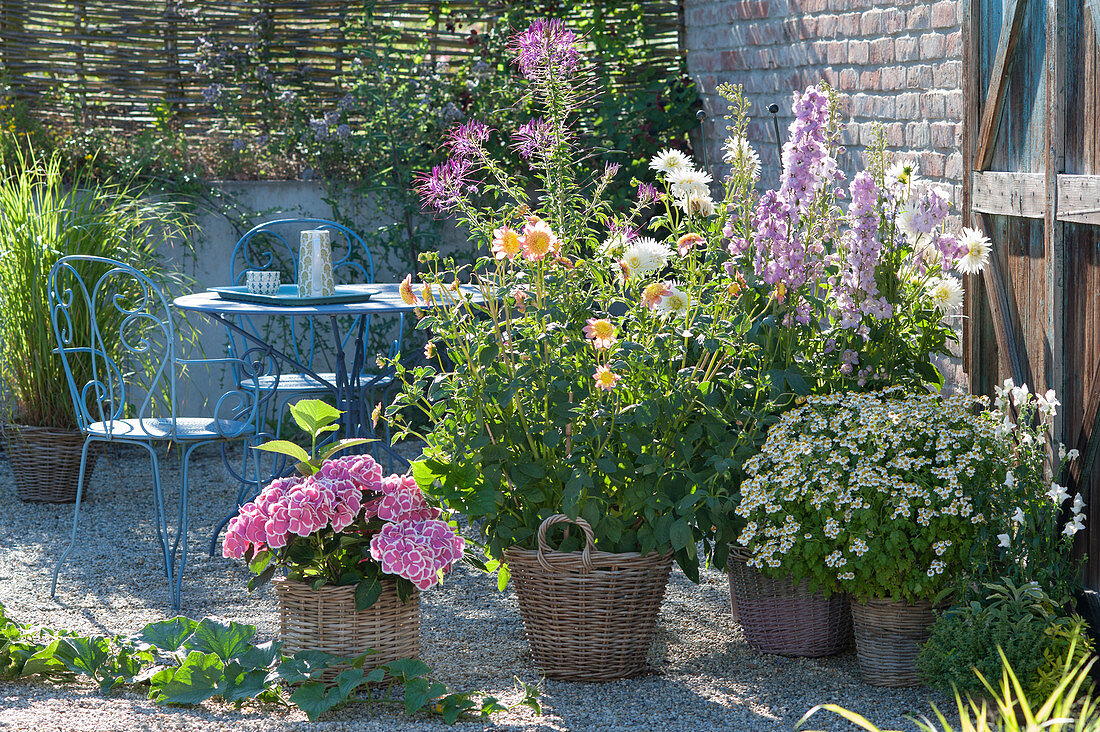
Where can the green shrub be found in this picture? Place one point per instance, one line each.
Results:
(1022, 622)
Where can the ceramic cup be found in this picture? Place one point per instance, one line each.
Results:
(262, 282)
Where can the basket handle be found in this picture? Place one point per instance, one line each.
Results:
(589, 541)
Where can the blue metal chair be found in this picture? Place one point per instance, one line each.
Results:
(274, 245)
(128, 395)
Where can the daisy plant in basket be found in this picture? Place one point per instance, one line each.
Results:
(880, 495)
(581, 379)
(339, 522)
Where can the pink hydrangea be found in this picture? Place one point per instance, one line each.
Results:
(401, 500)
(417, 550)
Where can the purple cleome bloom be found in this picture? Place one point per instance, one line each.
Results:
(546, 47)
(647, 193)
(466, 139)
(533, 137)
(440, 189)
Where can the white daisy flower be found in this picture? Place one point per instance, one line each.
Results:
(946, 294)
(687, 182)
(670, 161)
(675, 303)
(737, 151)
(977, 247)
(645, 255)
(902, 173)
(697, 205)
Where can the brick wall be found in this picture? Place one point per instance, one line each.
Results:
(898, 63)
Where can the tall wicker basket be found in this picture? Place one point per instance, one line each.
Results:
(589, 615)
(783, 618)
(46, 462)
(326, 620)
(889, 635)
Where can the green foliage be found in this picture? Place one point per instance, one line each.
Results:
(316, 418)
(181, 661)
(1019, 622)
(44, 218)
(1070, 705)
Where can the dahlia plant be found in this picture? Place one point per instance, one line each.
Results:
(340, 522)
(844, 296)
(880, 495)
(600, 383)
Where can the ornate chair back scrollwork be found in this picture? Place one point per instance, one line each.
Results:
(121, 357)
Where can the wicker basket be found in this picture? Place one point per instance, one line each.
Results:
(326, 620)
(46, 462)
(782, 618)
(589, 615)
(889, 635)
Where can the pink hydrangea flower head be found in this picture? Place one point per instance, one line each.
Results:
(402, 499)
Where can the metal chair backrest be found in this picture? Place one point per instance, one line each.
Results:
(274, 245)
(116, 340)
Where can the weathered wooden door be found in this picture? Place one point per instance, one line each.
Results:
(1030, 70)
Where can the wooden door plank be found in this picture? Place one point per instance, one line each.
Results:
(994, 97)
(975, 295)
(1079, 198)
(1013, 361)
(1009, 194)
(1094, 9)
(1054, 162)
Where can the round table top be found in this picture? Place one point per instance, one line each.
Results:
(385, 298)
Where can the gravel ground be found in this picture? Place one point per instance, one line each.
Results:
(705, 675)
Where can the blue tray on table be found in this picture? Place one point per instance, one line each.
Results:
(288, 295)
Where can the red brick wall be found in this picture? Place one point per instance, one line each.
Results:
(898, 63)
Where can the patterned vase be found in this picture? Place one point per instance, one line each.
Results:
(315, 264)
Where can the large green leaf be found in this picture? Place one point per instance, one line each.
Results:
(285, 447)
(367, 593)
(305, 666)
(168, 635)
(225, 640)
(197, 679)
(240, 683)
(83, 655)
(315, 699)
(313, 414)
(261, 656)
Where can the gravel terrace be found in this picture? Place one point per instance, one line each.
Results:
(706, 677)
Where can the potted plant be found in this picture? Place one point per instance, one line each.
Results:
(355, 548)
(879, 496)
(573, 407)
(843, 296)
(44, 216)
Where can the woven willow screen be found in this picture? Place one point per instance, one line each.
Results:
(118, 61)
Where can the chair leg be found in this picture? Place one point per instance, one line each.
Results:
(76, 516)
(248, 490)
(181, 533)
(162, 519)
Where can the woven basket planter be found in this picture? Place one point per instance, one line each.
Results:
(588, 615)
(326, 620)
(889, 635)
(783, 618)
(46, 462)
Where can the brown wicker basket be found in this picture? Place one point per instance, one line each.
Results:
(46, 462)
(326, 620)
(589, 615)
(889, 635)
(782, 618)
